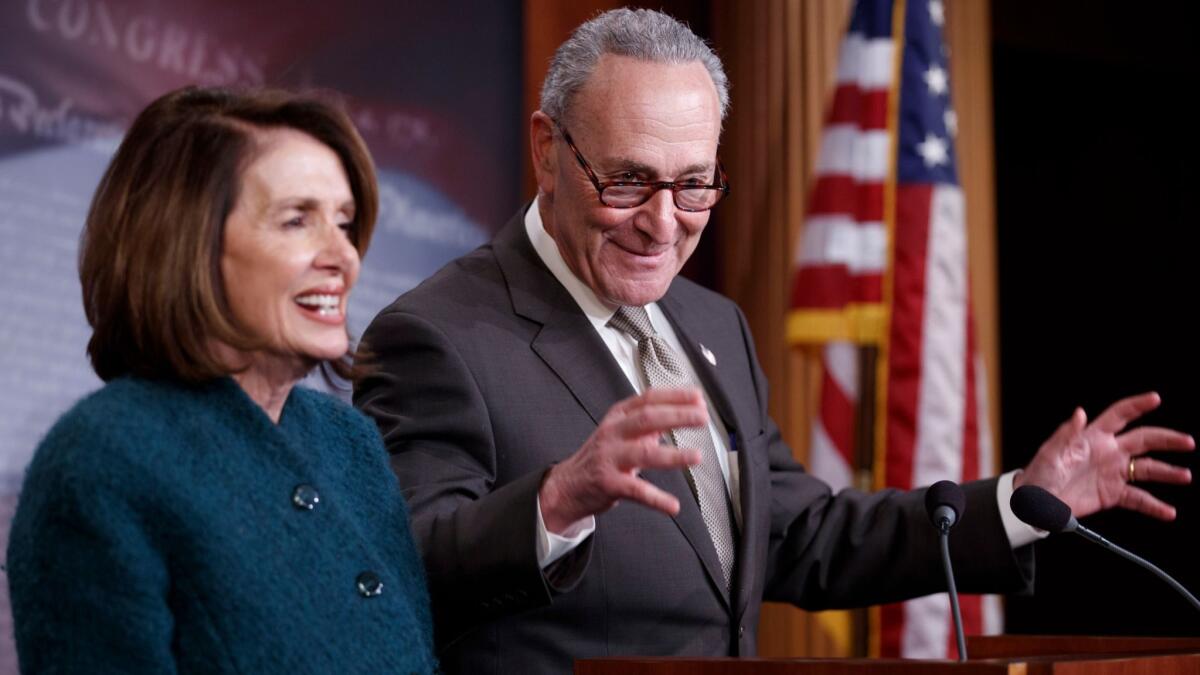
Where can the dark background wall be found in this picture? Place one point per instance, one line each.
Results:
(1096, 182)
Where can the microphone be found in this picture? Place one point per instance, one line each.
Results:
(1039, 508)
(944, 502)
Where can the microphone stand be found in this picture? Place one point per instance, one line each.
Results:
(944, 540)
(1095, 537)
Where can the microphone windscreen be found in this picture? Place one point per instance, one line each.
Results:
(945, 493)
(1039, 508)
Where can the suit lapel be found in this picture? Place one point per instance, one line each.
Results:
(691, 336)
(696, 335)
(567, 342)
(569, 345)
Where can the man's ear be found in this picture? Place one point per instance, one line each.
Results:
(541, 144)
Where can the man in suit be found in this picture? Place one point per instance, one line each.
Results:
(583, 436)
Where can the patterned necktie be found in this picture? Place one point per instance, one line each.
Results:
(663, 368)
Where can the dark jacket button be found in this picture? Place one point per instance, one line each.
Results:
(741, 632)
(369, 584)
(305, 497)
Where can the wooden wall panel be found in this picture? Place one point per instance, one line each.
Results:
(969, 39)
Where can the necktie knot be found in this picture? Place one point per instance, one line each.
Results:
(633, 321)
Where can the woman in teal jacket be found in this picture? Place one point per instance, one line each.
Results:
(200, 513)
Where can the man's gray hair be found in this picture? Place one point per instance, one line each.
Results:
(638, 33)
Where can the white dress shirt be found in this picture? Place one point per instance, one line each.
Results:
(551, 546)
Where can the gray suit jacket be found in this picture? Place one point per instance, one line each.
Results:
(488, 373)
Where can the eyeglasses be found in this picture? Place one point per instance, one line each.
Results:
(628, 194)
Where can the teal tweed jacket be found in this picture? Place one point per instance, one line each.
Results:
(165, 528)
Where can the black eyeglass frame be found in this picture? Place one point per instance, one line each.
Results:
(722, 186)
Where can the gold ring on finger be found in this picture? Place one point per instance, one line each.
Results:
(1131, 469)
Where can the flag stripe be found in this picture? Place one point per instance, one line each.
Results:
(832, 286)
(828, 462)
(863, 155)
(863, 108)
(840, 240)
(938, 450)
(891, 630)
(970, 431)
(837, 418)
(841, 195)
(865, 62)
(841, 364)
(904, 337)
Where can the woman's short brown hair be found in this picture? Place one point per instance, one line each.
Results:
(151, 250)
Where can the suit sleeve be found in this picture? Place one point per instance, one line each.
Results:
(89, 587)
(477, 539)
(854, 549)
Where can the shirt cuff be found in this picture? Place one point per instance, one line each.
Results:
(1019, 533)
(551, 547)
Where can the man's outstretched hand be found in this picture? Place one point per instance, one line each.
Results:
(1088, 465)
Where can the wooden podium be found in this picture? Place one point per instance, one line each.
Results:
(996, 655)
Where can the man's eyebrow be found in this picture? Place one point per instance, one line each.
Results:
(622, 164)
(705, 168)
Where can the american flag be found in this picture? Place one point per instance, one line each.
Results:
(881, 268)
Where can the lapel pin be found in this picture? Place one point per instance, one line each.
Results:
(712, 359)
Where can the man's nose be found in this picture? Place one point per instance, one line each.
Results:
(658, 216)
